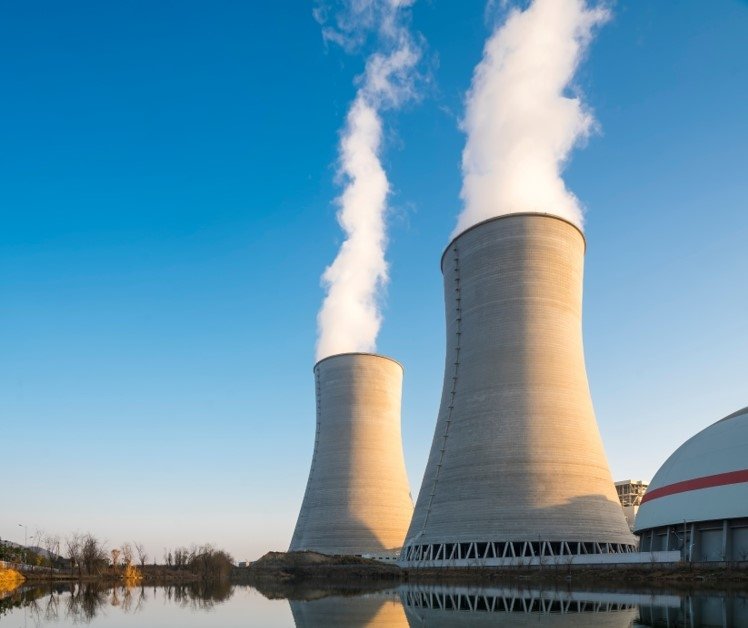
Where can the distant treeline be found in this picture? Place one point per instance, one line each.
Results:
(85, 555)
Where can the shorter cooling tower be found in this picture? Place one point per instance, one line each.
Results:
(357, 498)
(360, 611)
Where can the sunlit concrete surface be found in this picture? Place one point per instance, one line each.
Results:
(517, 466)
(374, 609)
(357, 499)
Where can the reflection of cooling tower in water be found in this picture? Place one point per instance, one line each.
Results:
(353, 612)
(517, 466)
(442, 606)
(357, 499)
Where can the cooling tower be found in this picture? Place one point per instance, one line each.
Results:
(438, 606)
(369, 610)
(357, 499)
(517, 467)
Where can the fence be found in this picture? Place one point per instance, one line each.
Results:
(24, 567)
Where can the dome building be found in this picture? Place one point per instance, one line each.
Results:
(698, 501)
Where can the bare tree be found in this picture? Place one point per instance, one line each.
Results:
(73, 545)
(52, 609)
(142, 599)
(38, 539)
(126, 599)
(181, 557)
(93, 553)
(211, 564)
(51, 543)
(127, 554)
(142, 555)
(115, 556)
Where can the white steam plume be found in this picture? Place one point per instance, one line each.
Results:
(350, 316)
(520, 120)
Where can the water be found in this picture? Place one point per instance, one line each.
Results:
(410, 605)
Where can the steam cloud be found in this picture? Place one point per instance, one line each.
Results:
(520, 121)
(350, 316)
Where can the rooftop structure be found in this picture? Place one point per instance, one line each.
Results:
(630, 493)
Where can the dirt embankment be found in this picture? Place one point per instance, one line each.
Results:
(620, 577)
(295, 565)
(303, 573)
(308, 575)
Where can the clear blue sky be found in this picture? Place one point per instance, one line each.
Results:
(166, 186)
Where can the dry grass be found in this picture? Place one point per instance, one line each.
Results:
(10, 579)
(131, 575)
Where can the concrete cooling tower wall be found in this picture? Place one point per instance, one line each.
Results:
(373, 610)
(357, 498)
(517, 467)
(473, 607)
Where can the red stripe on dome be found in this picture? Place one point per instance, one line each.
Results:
(708, 481)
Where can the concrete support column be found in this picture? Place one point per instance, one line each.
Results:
(725, 540)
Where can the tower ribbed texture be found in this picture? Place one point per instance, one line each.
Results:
(372, 610)
(517, 466)
(476, 607)
(357, 498)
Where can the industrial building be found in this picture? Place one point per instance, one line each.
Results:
(357, 498)
(697, 502)
(517, 467)
(630, 493)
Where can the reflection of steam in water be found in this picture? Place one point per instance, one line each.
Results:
(470, 606)
(376, 609)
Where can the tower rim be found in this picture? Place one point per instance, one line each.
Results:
(501, 217)
(363, 353)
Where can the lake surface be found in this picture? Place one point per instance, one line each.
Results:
(409, 605)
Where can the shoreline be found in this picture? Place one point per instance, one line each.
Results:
(281, 573)
(292, 574)
(148, 576)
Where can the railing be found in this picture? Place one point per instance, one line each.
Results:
(25, 567)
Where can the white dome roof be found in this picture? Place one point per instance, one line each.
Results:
(705, 479)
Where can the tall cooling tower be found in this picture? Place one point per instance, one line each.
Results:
(517, 467)
(357, 499)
